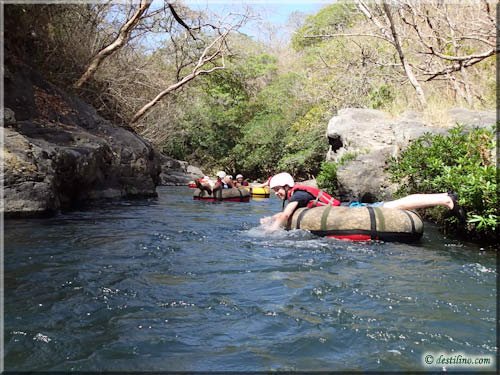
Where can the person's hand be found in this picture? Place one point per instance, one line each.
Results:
(266, 220)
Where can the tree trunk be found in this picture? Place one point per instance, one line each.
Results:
(406, 66)
(467, 88)
(121, 39)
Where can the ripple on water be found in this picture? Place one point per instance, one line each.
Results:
(203, 287)
(261, 232)
(479, 272)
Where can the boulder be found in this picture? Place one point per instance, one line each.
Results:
(356, 131)
(175, 172)
(472, 119)
(58, 152)
(362, 141)
(364, 178)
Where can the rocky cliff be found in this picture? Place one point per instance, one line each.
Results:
(58, 152)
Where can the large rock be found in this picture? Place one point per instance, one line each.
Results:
(175, 172)
(472, 119)
(59, 152)
(361, 141)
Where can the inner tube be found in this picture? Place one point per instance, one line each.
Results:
(262, 192)
(227, 195)
(359, 223)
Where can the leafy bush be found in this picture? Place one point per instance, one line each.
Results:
(327, 178)
(463, 162)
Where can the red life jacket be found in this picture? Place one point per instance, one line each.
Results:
(322, 198)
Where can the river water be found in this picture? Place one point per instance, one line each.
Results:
(173, 284)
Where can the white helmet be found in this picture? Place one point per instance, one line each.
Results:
(239, 176)
(281, 179)
(221, 174)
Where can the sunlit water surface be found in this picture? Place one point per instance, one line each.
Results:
(172, 284)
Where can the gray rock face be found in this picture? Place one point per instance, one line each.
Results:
(60, 153)
(471, 119)
(362, 140)
(175, 172)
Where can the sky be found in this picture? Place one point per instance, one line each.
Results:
(269, 21)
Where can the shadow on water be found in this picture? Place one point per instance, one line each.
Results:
(181, 285)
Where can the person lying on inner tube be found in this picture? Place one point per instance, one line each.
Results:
(299, 196)
(240, 181)
(223, 181)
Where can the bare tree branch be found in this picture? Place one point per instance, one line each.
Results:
(205, 58)
(347, 35)
(460, 64)
(180, 21)
(120, 40)
(402, 57)
(465, 59)
(383, 28)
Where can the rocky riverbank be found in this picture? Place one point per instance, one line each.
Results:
(58, 152)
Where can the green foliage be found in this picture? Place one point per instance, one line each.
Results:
(462, 162)
(381, 97)
(260, 148)
(265, 134)
(484, 222)
(211, 123)
(329, 20)
(305, 145)
(327, 178)
(260, 65)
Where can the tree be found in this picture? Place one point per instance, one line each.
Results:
(451, 41)
(212, 45)
(215, 50)
(433, 40)
(384, 25)
(120, 40)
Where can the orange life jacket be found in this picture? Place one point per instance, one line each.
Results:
(321, 198)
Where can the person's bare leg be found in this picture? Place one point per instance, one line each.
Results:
(203, 186)
(414, 201)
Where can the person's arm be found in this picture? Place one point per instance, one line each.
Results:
(280, 219)
(264, 184)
